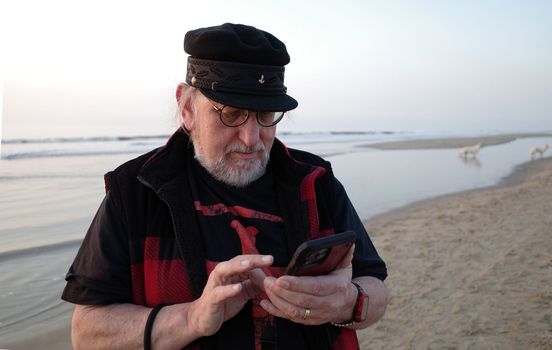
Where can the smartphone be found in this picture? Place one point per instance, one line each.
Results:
(320, 256)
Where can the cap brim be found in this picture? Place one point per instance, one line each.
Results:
(253, 102)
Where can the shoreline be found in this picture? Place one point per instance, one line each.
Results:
(470, 269)
(518, 175)
(451, 142)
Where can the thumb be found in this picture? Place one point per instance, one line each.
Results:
(257, 277)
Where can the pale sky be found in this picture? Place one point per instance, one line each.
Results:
(95, 68)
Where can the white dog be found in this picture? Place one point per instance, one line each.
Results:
(540, 150)
(464, 152)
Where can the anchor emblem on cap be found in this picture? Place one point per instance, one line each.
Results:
(261, 80)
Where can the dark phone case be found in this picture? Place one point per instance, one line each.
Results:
(338, 245)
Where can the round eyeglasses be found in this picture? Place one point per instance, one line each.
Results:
(234, 117)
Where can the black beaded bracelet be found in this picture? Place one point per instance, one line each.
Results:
(149, 326)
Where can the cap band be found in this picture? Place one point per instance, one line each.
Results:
(233, 77)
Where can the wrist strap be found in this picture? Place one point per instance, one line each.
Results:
(149, 325)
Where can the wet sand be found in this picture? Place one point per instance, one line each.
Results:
(452, 142)
(471, 270)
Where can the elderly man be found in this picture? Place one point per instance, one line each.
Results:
(189, 246)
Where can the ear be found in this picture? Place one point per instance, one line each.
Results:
(184, 102)
(180, 90)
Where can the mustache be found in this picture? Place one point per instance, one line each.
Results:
(240, 147)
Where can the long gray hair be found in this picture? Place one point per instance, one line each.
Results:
(188, 95)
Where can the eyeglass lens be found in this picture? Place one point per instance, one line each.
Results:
(231, 116)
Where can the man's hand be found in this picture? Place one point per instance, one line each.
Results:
(228, 289)
(121, 326)
(328, 298)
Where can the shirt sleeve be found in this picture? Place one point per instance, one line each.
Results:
(100, 273)
(366, 261)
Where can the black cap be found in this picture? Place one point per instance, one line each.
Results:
(240, 66)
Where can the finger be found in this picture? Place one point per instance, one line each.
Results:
(257, 277)
(280, 289)
(239, 265)
(249, 290)
(214, 300)
(273, 310)
(282, 307)
(291, 307)
(221, 294)
(317, 285)
(293, 304)
(237, 278)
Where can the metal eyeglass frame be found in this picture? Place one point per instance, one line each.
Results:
(220, 110)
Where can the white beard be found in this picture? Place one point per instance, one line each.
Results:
(242, 173)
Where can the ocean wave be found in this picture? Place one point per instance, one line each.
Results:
(164, 137)
(67, 153)
(48, 248)
(46, 176)
(47, 311)
(15, 149)
(83, 139)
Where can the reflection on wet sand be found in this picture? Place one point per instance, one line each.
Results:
(473, 162)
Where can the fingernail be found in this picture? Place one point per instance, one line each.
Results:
(283, 283)
(269, 281)
(267, 258)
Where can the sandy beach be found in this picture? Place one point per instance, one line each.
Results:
(471, 270)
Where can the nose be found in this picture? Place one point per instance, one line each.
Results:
(250, 132)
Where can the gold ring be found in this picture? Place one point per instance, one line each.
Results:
(306, 314)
